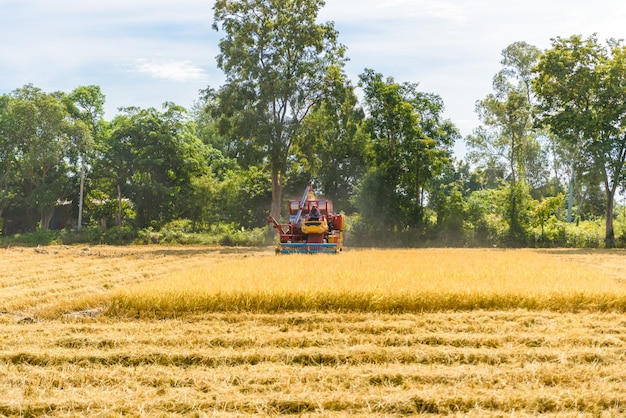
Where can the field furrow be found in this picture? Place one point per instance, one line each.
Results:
(485, 363)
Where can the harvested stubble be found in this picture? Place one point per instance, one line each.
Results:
(470, 364)
(176, 359)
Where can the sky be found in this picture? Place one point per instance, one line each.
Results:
(144, 53)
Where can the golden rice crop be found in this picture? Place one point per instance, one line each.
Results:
(381, 281)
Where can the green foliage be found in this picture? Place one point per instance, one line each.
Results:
(33, 239)
(403, 158)
(448, 199)
(90, 235)
(585, 234)
(581, 85)
(102, 209)
(451, 222)
(179, 232)
(245, 238)
(118, 235)
(377, 203)
(333, 150)
(516, 212)
(277, 60)
(38, 146)
(181, 225)
(485, 223)
(545, 211)
(246, 196)
(163, 236)
(242, 197)
(288, 116)
(508, 138)
(163, 155)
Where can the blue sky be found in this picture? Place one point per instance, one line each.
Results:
(143, 53)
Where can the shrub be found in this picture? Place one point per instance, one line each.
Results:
(88, 235)
(179, 225)
(118, 235)
(36, 238)
(244, 237)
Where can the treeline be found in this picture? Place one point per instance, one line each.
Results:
(541, 170)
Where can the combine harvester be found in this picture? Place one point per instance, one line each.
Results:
(310, 231)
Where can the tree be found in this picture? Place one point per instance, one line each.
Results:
(162, 155)
(86, 103)
(39, 128)
(448, 202)
(581, 86)
(277, 60)
(544, 210)
(214, 129)
(404, 158)
(507, 113)
(508, 137)
(245, 195)
(334, 146)
(8, 151)
(113, 166)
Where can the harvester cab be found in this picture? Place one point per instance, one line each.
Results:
(313, 227)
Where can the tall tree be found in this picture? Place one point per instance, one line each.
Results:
(164, 157)
(277, 60)
(8, 151)
(507, 112)
(113, 165)
(507, 136)
(581, 85)
(86, 103)
(334, 146)
(39, 126)
(405, 159)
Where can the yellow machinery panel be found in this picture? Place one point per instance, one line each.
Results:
(314, 227)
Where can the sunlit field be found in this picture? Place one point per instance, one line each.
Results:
(196, 331)
(392, 281)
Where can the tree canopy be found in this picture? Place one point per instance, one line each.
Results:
(288, 116)
(582, 88)
(277, 60)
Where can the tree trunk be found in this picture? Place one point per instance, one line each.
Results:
(46, 218)
(609, 239)
(31, 224)
(118, 216)
(277, 194)
(81, 193)
(570, 199)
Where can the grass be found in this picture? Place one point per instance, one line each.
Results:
(71, 347)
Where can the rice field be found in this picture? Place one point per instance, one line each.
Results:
(194, 331)
(391, 281)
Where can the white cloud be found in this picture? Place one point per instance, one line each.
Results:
(180, 71)
(80, 12)
(439, 9)
(368, 11)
